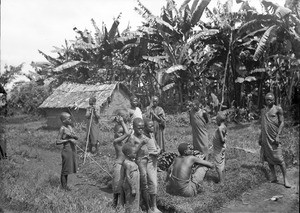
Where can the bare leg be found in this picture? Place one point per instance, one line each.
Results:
(285, 181)
(115, 200)
(153, 204)
(142, 164)
(220, 174)
(273, 174)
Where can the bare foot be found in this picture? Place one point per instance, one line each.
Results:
(156, 210)
(286, 184)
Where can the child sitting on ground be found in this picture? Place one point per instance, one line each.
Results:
(154, 150)
(68, 138)
(130, 177)
(219, 145)
(121, 134)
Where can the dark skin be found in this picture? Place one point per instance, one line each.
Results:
(91, 109)
(182, 166)
(154, 105)
(277, 111)
(66, 129)
(149, 129)
(196, 106)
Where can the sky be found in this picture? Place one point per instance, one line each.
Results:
(31, 25)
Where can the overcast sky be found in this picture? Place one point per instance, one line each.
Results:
(29, 25)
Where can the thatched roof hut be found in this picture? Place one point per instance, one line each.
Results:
(74, 98)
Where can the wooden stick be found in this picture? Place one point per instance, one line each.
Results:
(97, 163)
(87, 139)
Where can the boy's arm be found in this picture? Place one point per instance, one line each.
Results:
(205, 116)
(88, 112)
(203, 162)
(222, 132)
(97, 113)
(59, 139)
(281, 122)
(121, 138)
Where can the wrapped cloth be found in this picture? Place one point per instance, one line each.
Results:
(271, 151)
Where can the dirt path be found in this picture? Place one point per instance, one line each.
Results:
(258, 199)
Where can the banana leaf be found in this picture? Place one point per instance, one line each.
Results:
(264, 42)
(297, 23)
(175, 68)
(50, 59)
(194, 5)
(66, 65)
(199, 11)
(183, 5)
(114, 28)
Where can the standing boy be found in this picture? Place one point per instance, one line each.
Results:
(120, 136)
(67, 138)
(140, 141)
(154, 151)
(272, 122)
(134, 110)
(199, 120)
(219, 145)
(93, 116)
(131, 179)
(157, 115)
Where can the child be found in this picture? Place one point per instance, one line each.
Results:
(94, 136)
(134, 110)
(199, 119)
(219, 145)
(68, 138)
(131, 179)
(140, 141)
(154, 151)
(121, 134)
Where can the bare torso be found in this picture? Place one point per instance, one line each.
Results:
(182, 167)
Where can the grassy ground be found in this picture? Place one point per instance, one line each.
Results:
(29, 179)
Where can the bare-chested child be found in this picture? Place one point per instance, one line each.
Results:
(140, 141)
(219, 145)
(121, 134)
(67, 138)
(134, 110)
(180, 179)
(130, 179)
(153, 150)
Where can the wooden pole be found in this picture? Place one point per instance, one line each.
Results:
(87, 138)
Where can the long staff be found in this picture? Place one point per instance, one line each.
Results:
(88, 136)
(95, 162)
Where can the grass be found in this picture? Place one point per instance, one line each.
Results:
(30, 177)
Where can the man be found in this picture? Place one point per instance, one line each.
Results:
(157, 115)
(199, 120)
(180, 179)
(272, 122)
(93, 116)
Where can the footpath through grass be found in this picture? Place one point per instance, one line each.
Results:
(30, 177)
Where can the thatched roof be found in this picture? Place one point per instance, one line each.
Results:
(73, 94)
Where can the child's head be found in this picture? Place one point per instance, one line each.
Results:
(149, 126)
(185, 149)
(134, 101)
(196, 105)
(138, 126)
(123, 113)
(92, 101)
(155, 101)
(221, 117)
(129, 151)
(118, 130)
(65, 118)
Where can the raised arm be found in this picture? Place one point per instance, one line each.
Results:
(222, 132)
(203, 162)
(281, 122)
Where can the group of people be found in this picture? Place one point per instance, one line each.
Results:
(139, 140)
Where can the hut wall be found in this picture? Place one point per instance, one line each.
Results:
(53, 120)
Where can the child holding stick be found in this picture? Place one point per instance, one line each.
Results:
(67, 138)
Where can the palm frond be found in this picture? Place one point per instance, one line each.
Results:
(66, 65)
(50, 59)
(264, 42)
(199, 11)
(174, 68)
(194, 6)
